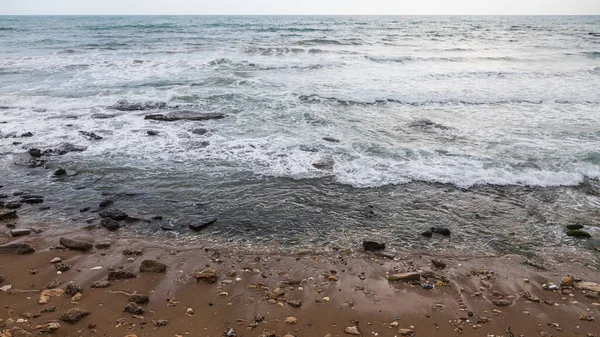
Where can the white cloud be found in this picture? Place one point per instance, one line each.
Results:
(391, 7)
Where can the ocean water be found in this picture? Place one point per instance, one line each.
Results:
(488, 125)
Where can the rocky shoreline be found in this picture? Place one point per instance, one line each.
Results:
(84, 283)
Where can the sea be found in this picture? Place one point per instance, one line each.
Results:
(336, 129)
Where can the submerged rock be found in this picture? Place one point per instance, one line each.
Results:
(184, 115)
(152, 133)
(124, 105)
(75, 244)
(60, 172)
(114, 214)
(199, 132)
(103, 116)
(12, 205)
(578, 233)
(575, 226)
(90, 135)
(105, 203)
(440, 230)
(152, 266)
(331, 139)
(202, 224)
(8, 215)
(35, 153)
(373, 246)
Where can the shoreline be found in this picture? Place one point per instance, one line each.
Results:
(325, 292)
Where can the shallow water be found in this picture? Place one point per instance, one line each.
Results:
(487, 125)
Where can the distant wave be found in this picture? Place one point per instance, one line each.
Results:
(410, 59)
(292, 29)
(329, 42)
(6, 29)
(592, 54)
(132, 26)
(320, 99)
(281, 50)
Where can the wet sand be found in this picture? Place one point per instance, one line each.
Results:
(326, 293)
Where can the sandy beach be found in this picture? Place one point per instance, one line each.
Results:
(205, 291)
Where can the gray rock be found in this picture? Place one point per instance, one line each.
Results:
(75, 244)
(100, 284)
(20, 232)
(199, 131)
(134, 308)
(90, 135)
(139, 299)
(35, 153)
(110, 224)
(152, 133)
(331, 139)
(184, 115)
(12, 205)
(74, 315)
(152, 266)
(17, 248)
(372, 246)
(8, 215)
(105, 203)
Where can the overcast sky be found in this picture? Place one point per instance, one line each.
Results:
(556, 7)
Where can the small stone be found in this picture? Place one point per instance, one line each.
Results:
(223, 294)
(120, 275)
(290, 320)
(152, 266)
(47, 293)
(152, 133)
(133, 308)
(160, 322)
(74, 315)
(438, 264)
(72, 289)
(75, 245)
(189, 311)
(139, 298)
(56, 260)
(62, 267)
(352, 330)
(114, 214)
(295, 303)
(503, 302)
(394, 324)
(406, 332)
(404, 277)
(52, 327)
(207, 275)
(19, 232)
(110, 224)
(103, 245)
(568, 280)
(77, 297)
(100, 284)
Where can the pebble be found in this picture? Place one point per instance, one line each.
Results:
(394, 324)
(56, 260)
(290, 320)
(189, 311)
(352, 330)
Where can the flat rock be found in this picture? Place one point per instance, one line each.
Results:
(100, 284)
(202, 224)
(120, 275)
(103, 116)
(90, 135)
(17, 248)
(47, 293)
(12, 205)
(331, 139)
(74, 315)
(105, 203)
(404, 277)
(20, 232)
(103, 245)
(184, 115)
(352, 330)
(75, 244)
(199, 131)
(207, 275)
(152, 266)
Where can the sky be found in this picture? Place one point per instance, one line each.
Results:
(390, 7)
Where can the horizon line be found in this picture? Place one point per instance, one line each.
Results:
(300, 14)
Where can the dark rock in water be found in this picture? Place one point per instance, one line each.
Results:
(184, 115)
(114, 214)
(441, 230)
(35, 153)
(152, 266)
(575, 226)
(136, 106)
(16, 143)
(75, 244)
(19, 232)
(306, 148)
(26, 135)
(167, 227)
(324, 164)
(60, 172)
(428, 233)
(32, 163)
(331, 139)
(12, 205)
(372, 246)
(44, 208)
(426, 124)
(8, 215)
(32, 199)
(85, 209)
(110, 224)
(578, 233)
(158, 217)
(17, 248)
(133, 308)
(152, 133)
(66, 148)
(199, 132)
(90, 135)
(4, 196)
(139, 299)
(103, 116)
(74, 315)
(105, 203)
(120, 275)
(203, 224)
